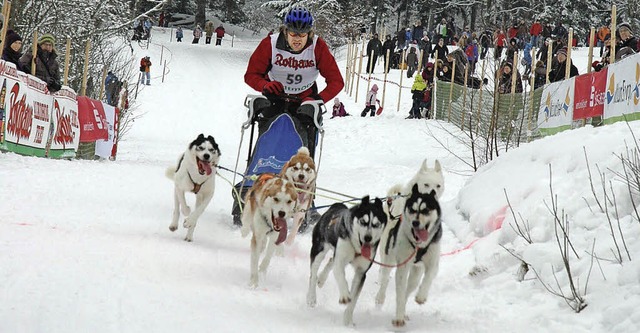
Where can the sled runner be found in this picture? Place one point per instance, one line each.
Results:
(280, 136)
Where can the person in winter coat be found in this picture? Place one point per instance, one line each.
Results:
(560, 31)
(418, 31)
(485, 43)
(540, 73)
(374, 49)
(500, 41)
(179, 34)
(557, 73)
(626, 39)
(145, 69)
(472, 55)
(12, 47)
(401, 39)
(412, 62)
(441, 30)
(417, 90)
(47, 67)
(370, 102)
(112, 88)
(197, 33)
(543, 51)
(512, 49)
(407, 37)
(428, 74)
(338, 109)
(270, 70)
(527, 59)
(602, 33)
(208, 31)
(440, 51)
(460, 59)
(506, 78)
(219, 34)
(425, 45)
(387, 47)
(535, 31)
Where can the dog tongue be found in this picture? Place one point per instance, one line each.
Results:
(422, 234)
(281, 225)
(202, 165)
(365, 250)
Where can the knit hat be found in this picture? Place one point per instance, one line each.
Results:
(624, 25)
(336, 101)
(47, 38)
(508, 64)
(374, 87)
(12, 37)
(563, 51)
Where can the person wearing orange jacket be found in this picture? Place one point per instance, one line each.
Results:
(145, 70)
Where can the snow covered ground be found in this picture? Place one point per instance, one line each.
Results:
(85, 245)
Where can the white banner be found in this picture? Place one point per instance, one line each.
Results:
(556, 107)
(104, 147)
(623, 90)
(65, 136)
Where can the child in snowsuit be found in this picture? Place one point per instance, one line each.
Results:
(418, 89)
(338, 109)
(370, 103)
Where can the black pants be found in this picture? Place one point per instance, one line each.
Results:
(371, 108)
(219, 41)
(207, 40)
(195, 40)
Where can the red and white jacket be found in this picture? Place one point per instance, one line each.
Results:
(306, 64)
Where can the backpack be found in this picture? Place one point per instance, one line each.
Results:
(469, 51)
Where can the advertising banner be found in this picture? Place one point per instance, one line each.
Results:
(93, 121)
(65, 134)
(104, 148)
(590, 90)
(622, 99)
(556, 107)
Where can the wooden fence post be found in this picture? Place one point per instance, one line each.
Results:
(402, 64)
(67, 60)
(85, 71)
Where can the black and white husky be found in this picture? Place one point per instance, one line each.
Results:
(353, 235)
(195, 172)
(413, 245)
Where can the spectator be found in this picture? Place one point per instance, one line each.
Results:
(147, 28)
(506, 78)
(374, 48)
(499, 42)
(407, 37)
(602, 33)
(540, 74)
(560, 31)
(12, 47)
(543, 51)
(444, 74)
(179, 34)
(427, 75)
(418, 31)
(418, 89)
(412, 62)
(219, 34)
(145, 70)
(400, 38)
(425, 45)
(485, 43)
(440, 51)
(512, 49)
(161, 19)
(370, 103)
(441, 30)
(47, 67)
(472, 55)
(208, 30)
(460, 59)
(527, 59)
(387, 47)
(112, 87)
(557, 73)
(338, 109)
(535, 31)
(627, 40)
(197, 33)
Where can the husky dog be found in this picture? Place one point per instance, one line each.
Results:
(301, 171)
(195, 172)
(428, 179)
(353, 235)
(414, 245)
(269, 203)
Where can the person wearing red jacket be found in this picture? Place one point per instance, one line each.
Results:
(219, 35)
(535, 31)
(285, 66)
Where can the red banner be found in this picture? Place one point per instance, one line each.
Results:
(589, 96)
(93, 121)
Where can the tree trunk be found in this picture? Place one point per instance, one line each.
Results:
(200, 15)
(474, 13)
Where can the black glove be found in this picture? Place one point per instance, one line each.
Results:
(53, 85)
(273, 88)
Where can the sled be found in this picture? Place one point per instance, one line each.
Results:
(285, 133)
(379, 111)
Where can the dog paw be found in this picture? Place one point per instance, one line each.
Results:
(173, 227)
(188, 239)
(187, 223)
(398, 322)
(253, 282)
(344, 300)
(478, 270)
(421, 299)
(311, 301)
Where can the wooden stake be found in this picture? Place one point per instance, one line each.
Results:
(67, 59)
(567, 72)
(164, 69)
(614, 23)
(359, 73)
(484, 67)
(34, 52)
(453, 70)
(386, 71)
(401, 71)
(532, 82)
(6, 12)
(85, 71)
(549, 51)
(353, 70)
(592, 34)
(104, 77)
(346, 70)
(464, 96)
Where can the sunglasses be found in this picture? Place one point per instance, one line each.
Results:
(299, 35)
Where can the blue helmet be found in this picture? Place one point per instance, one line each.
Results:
(299, 20)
